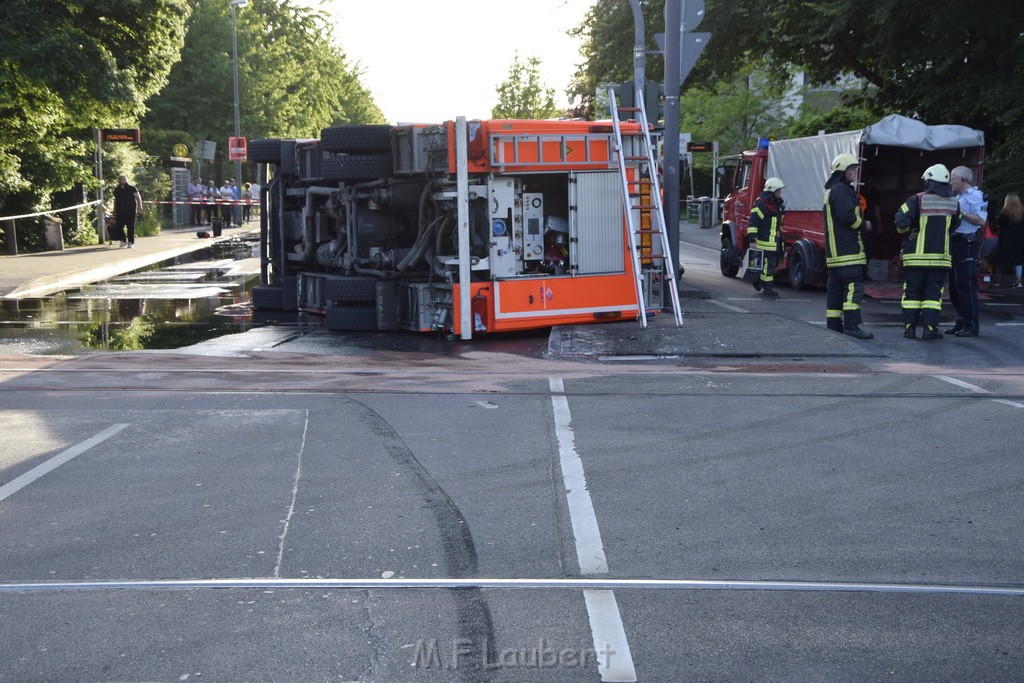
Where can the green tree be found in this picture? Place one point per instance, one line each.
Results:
(67, 67)
(523, 95)
(293, 79)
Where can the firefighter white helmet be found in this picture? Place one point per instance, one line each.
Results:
(773, 184)
(843, 162)
(938, 173)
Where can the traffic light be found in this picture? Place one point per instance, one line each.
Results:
(654, 101)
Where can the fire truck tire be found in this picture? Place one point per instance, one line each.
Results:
(356, 139)
(266, 151)
(799, 261)
(351, 289)
(727, 259)
(268, 297)
(351, 318)
(357, 167)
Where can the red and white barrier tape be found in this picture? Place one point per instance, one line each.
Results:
(212, 202)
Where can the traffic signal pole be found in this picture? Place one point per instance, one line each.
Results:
(670, 160)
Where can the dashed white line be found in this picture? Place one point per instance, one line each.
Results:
(609, 635)
(962, 384)
(15, 485)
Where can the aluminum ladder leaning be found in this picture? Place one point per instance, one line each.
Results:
(655, 207)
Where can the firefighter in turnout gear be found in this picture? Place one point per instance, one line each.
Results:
(926, 220)
(765, 232)
(844, 249)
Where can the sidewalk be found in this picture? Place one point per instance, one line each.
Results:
(42, 274)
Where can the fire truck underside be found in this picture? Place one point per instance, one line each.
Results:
(362, 226)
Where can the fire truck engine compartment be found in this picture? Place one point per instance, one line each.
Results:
(362, 226)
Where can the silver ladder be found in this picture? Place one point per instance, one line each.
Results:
(655, 207)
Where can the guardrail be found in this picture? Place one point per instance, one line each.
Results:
(10, 226)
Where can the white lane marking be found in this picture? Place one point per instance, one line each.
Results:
(602, 609)
(1009, 324)
(592, 584)
(962, 384)
(15, 485)
(728, 307)
(1005, 402)
(487, 404)
(295, 494)
(614, 659)
(614, 359)
(589, 547)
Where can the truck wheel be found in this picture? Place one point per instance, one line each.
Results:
(351, 318)
(363, 139)
(727, 261)
(267, 151)
(357, 167)
(351, 289)
(798, 262)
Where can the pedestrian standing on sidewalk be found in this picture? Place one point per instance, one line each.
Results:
(926, 220)
(127, 206)
(1010, 252)
(196, 192)
(247, 206)
(844, 249)
(965, 248)
(764, 232)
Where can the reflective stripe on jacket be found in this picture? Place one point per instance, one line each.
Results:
(927, 219)
(765, 226)
(843, 224)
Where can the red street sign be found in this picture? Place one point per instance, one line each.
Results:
(120, 135)
(237, 150)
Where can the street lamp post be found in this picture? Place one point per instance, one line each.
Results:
(234, 65)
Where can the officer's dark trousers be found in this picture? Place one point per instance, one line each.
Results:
(922, 295)
(963, 281)
(844, 290)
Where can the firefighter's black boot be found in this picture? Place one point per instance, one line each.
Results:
(910, 331)
(769, 290)
(757, 285)
(835, 324)
(931, 332)
(855, 331)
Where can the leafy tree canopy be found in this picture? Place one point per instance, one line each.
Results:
(522, 95)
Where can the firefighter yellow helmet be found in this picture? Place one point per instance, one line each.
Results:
(773, 184)
(938, 173)
(843, 162)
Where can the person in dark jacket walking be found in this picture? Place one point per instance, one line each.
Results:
(764, 231)
(844, 249)
(127, 205)
(926, 220)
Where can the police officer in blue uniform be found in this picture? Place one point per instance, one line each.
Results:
(965, 248)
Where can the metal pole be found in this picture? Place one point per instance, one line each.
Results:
(234, 64)
(673, 22)
(101, 217)
(639, 51)
(462, 215)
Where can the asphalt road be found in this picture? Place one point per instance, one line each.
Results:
(253, 509)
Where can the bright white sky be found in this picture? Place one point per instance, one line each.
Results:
(434, 60)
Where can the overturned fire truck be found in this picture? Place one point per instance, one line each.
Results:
(462, 227)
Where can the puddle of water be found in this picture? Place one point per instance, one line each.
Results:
(191, 299)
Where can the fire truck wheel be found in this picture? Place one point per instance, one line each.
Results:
(267, 297)
(267, 151)
(727, 260)
(351, 318)
(798, 262)
(357, 167)
(362, 139)
(351, 289)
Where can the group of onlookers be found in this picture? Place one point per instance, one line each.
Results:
(208, 201)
